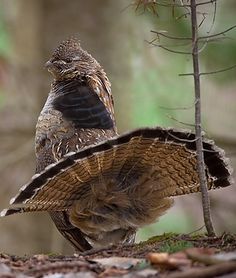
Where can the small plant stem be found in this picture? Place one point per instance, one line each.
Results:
(198, 129)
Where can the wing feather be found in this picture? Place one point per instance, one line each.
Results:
(80, 104)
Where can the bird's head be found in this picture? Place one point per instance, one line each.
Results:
(69, 60)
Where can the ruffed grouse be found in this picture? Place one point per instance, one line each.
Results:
(98, 187)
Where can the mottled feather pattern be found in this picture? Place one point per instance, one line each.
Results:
(101, 85)
(141, 156)
(98, 187)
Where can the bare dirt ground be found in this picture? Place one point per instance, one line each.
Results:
(169, 255)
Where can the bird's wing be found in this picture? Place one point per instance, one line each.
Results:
(100, 84)
(80, 104)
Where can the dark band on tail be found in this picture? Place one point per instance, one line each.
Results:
(217, 166)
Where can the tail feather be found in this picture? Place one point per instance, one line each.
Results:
(147, 166)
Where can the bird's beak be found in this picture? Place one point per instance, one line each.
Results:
(48, 64)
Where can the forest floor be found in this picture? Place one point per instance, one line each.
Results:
(168, 255)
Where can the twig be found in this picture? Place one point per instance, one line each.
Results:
(186, 74)
(97, 250)
(211, 27)
(181, 139)
(177, 108)
(198, 129)
(205, 3)
(170, 37)
(209, 72)
(218, 71)
(171, 50)
(220, 39)
(195, 231)
(183, 15)
(217, 34)
(213, 19)
(203, 19)
(183, 123)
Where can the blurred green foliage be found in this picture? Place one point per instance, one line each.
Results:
(156, 93)
(175, 246)
(173, 221)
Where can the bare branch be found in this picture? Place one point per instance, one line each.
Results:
(203, 19)
(168, 49)
(205, 3)
(211, 27)
(213, 19)
(171, 45)
(181, 139)
(220, 39)
(170, 37)
(177, 108)
(186, 74)
(217, 34)
(218, 71)
(209, 72)
(183, 15)
(198, 129)
(180, 122)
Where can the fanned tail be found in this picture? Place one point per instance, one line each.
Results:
(128, 179)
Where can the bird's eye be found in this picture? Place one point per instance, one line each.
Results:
(67, 60)
(61, 62)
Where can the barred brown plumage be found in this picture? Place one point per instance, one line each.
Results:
(98, 187)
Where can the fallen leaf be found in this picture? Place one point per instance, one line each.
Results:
(41, 257)
(119, 262)
(167, 261)
(158, 258)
